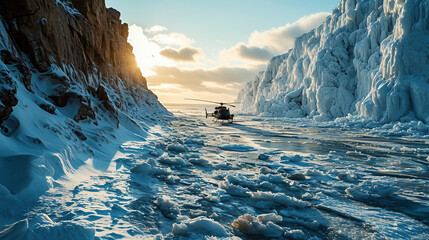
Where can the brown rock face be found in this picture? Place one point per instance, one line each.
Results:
(53, 32)
(73, 46)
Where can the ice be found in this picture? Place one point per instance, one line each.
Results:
(255, 226)
(200, 226)
(295, 158)
(174, 161)
(370, 190)
(176, 148)
(280, 198)
(199, 161)
(234, 190)
(296, 234)
(237, 148)
(270, 217)
(167, 207)
(369, 59)
(148, 169)
(349, 184)
(271, 178)
(263, 157)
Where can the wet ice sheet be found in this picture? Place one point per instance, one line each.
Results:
(257, 178)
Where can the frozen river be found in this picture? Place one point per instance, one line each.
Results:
(254, 179)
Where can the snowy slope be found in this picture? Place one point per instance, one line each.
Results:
(65, 101)
(369, 58)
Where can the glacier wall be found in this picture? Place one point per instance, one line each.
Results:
(369, 58)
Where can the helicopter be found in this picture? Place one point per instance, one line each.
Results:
(221, 112)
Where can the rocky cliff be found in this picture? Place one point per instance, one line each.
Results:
(369, 59)
(68, 82)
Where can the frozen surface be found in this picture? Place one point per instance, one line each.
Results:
(320, 181)
(369, 58)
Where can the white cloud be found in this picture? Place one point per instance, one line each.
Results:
(264, 45)
(173, 39)
(186, 54)
(247, 52)
(155, 29)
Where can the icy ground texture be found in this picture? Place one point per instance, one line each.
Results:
(369, 58)
(184, 182)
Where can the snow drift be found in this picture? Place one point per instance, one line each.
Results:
(369, 58)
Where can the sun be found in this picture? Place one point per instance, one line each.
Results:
(146, 51)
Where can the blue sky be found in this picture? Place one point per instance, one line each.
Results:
(216, 37)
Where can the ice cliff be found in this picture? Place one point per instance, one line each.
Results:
(369, 58)
(69, 87)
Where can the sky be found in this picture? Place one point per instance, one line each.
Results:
(208, 49)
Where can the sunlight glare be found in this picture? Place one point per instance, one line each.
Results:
(146, 51)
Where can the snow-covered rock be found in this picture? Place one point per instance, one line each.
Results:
(369, 58)
(69, 88)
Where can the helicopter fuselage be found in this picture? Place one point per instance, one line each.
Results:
(222, 113)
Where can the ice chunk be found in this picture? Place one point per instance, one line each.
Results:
(297, 177)
(253, 226)
(176, 148)
(296, 234)
(199, 161)
(194, 142)
(280, 198)
(172, 180)
(167, 207)
(372, 190)
(237, 148)
(201, 226)
(263, 157)
(147, 169)
(173, 161)
(295, 158)
(271, 178)
(270, 217)
(234, 190)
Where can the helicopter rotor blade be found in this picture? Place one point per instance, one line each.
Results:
(193, 99)
(221, 103)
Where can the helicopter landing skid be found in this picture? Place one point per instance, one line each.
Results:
(223, 120)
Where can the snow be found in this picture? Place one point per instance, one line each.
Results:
(368, 59)
(68, 6)
(42, 227)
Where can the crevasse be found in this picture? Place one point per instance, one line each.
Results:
(369, 58)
